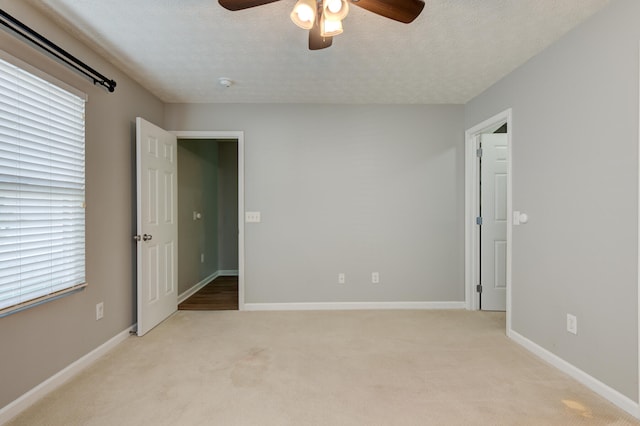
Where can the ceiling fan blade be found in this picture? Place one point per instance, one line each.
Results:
(399, 10)
(243, 4)
(316, 41)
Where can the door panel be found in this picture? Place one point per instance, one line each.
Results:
(156, 184)
(500, 265)
(493, 201)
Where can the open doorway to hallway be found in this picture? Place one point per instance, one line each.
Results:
(208, 264)
(488, 221)
(492, 219)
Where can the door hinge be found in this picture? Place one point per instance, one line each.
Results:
(479, 220)
(479, 288)
(479, 152)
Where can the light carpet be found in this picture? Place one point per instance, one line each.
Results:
(323, 368)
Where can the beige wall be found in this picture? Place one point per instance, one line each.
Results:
(41, 341)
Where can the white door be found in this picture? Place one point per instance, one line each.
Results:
(157, 232)
(493, 231)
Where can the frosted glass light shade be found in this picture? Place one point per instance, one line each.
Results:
(330, 27)
(304, 14)
(335, 10)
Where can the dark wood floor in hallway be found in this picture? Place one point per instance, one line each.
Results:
(221, 294)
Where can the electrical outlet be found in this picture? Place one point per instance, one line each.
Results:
(99, 310)
(201, 257)
(341, 278)
(375, 277)
(572, 324)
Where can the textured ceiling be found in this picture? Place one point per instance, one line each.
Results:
(178, 49)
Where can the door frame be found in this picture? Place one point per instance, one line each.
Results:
(471, 270)
(239, 136)
(638, 237)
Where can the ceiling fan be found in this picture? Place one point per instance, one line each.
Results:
(323, 18)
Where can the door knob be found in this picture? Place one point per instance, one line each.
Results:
(146, 237)
(137, 238)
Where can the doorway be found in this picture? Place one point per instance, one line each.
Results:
(488, 214)
(210, 207)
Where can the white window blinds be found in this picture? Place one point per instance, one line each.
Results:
(42, 181)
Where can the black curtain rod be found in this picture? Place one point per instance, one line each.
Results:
(56, 51)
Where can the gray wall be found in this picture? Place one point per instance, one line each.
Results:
(228, 205)
(575, 172)
(197, 191)
(41, 341)
(351, 189)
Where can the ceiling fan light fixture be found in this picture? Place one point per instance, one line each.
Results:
(304, 14)
(330, 27)
(335, 10)
(323, 18)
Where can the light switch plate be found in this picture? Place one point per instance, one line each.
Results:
(572, 324)
(252, 217)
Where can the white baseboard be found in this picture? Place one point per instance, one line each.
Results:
(29, 398)
(228, 273)
(193, 290)
(335, 306)
(605, 391)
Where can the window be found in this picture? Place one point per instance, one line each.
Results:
(42, 185)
